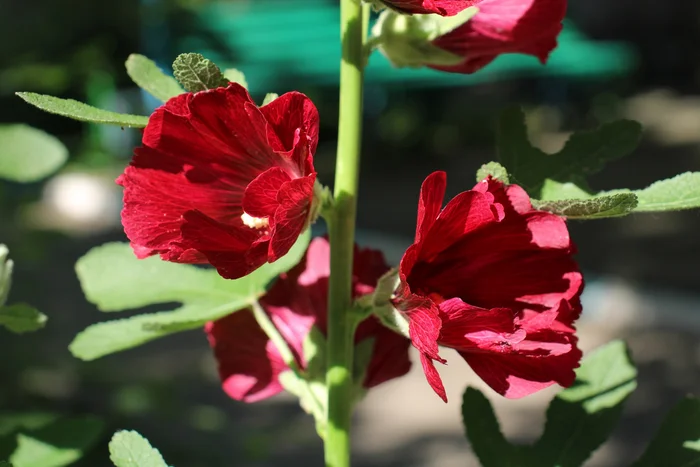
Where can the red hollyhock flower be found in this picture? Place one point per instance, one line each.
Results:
(440, 7)
(495, 280)
(504, 26)
(222, 181)
(250, 364)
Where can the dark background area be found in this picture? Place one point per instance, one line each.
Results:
(168, 389)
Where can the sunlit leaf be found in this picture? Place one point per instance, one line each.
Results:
(130, 449)
(115, 280)
(146, 74)
(82, 112)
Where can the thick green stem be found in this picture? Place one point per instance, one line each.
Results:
(342, 235)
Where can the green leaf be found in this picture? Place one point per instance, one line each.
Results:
(82, 112)
(114, 280)
(146, 74)
(236, 76)
(585, 153)
(28, 154)
(56, 444)
(484, 432)
(130, 449)
(269, 97)
(678, 441)
(20, 318)
(673, 194)
(598, 207)
(493, 169)
(196, 73)
(582, 417)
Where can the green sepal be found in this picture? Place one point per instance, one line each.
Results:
(406, 40)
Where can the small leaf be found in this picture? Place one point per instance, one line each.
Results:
(28, 154)
(585, 153)
(235, 76)
(56, 444)
(20, 318)
(196, 73)
(146, 74)
(269, 97)
(82, 112)
(493, 169)
(673, 194)
(130, 449)
(484, 433)
(678, 441)
(598, 207)
(6, 267)
(582, 417)
(114, 279)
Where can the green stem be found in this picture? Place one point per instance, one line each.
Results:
(342, 235)
(285, 351)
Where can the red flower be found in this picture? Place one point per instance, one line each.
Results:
(250, 364)
(222, 181)
(440, 7)
(504, 26)
(495, 280)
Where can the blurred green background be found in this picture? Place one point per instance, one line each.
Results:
(617, 59)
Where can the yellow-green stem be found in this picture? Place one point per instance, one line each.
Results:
(342, 235)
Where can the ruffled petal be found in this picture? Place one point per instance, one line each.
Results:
(294, 198)
(505, 26)
(440, 7)
(249, 364)
(432, 192)
(285, 115)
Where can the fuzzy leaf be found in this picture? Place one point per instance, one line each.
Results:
(20, 318)
(114, 280)
(235, 76)
(600, 207)
(585, 153)
(130, 449)
(28, 154)
(582, 417)
(673, 194)
(678, 441)
(82, 112)
(494, 169)
(146, 74)
(58, 443)
(196, 73)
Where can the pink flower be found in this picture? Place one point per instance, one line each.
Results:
(495, 280)
(504, 26)
(440, 7)
(250, 364)
(222, 181)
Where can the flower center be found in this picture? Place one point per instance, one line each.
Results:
(255, 222)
